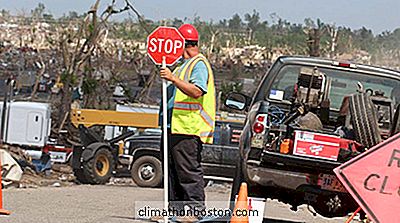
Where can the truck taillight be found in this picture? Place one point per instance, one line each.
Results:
(258, 127)
(261, 118)
(344, 64)
(259, 124)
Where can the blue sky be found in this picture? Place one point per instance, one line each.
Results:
(378, 15)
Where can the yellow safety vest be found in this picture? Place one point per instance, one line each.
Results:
(192, 116)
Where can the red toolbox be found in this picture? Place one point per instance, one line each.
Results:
(317, 145)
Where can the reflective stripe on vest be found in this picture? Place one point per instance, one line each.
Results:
(206, 134)
(191, 66)
(195, 107)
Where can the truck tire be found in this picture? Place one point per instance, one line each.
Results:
(146, 171)
(98, 169)
(364, 120)
(396, 122)
(237, 181)
(80, 176)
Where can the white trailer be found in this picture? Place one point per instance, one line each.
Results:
(26, 123)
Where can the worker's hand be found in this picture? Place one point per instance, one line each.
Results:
(166, 74)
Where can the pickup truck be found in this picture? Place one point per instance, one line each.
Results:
(307, 116)
(218, 159)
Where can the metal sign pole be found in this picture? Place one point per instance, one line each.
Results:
(165, 139)
(158, 49)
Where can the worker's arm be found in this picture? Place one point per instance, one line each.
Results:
(188, 88)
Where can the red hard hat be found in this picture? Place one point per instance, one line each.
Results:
(189, 32)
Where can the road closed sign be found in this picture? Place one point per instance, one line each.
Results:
(373, 179)
(165, 42)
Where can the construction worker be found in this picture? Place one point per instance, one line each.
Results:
(191, 118)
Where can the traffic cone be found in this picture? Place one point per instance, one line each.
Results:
(241, 206)
(353, 215)
(2, 211)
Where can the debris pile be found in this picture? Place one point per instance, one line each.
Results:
(121, 181)
(11, 172)
(58, 175)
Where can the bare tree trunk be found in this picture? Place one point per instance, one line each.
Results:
(38, 76)
(333, 32)
(212, 42)
(314, 42)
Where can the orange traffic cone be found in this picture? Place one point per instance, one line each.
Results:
(2, 211)
(353, 215)
(241, 211)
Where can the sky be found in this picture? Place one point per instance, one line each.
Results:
(378, 15)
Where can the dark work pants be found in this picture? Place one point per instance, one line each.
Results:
(186, 183)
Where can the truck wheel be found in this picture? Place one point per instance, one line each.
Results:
(364, 120)
(98, 169)
(147, 171)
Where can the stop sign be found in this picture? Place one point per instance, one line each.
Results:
(165, 42)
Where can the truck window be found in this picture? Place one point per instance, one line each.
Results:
(343, 84)
(283, 85)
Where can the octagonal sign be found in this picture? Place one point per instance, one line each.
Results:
(165, 42)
